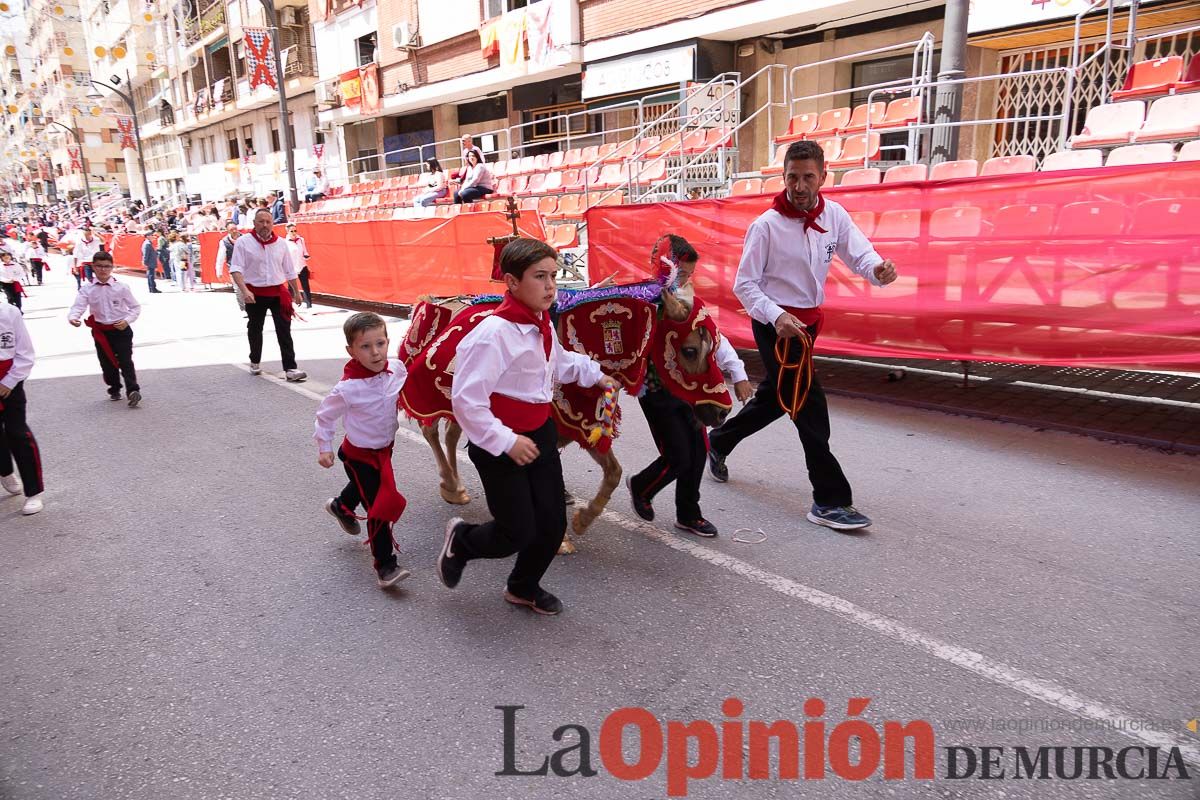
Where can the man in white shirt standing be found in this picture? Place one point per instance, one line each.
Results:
(225, 256)
(262, 268)
(780, 281)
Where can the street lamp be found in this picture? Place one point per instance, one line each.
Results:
(137, 131)
(284, 124)
(87, 191)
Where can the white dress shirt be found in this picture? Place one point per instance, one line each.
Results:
(299, 250)
(509, 358)
(15, 345)
(11, 272)
(262, 264)
(367, 408)
(782, 265)
(85, 251)
(728, 361)
(109, 302)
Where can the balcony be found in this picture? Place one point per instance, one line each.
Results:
(299, 61)
(211, 18)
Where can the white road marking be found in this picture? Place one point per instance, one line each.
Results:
(997, 672)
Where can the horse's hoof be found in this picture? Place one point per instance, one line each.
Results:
(458, 497)
(566, 548)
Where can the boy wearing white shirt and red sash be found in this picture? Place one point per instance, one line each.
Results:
(504, 378)
(262, 268)
(113, 309)
(16, 440)
(365, 401)
(83, 254)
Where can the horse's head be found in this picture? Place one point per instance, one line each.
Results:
(684, 354)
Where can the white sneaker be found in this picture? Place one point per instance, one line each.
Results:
(295, 375)
(255, 369)
(11, 483)
(32, 505)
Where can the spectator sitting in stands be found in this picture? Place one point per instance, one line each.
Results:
(436, 181)
(316, 187)
(478, 182)
(468, 145)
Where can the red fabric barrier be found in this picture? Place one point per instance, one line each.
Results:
(209, 242)
(397, 261)
(1088, 267)
(126, 250)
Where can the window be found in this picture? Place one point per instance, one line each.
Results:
(248, 140)
(871, 73)
(494, 8)
(366, 49)
(275, 148)
(212, 147)
(234, 148)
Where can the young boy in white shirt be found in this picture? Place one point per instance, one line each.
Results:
(503, 386)
(16, 440)
(113, 309)
(365, 401)
(11, 275)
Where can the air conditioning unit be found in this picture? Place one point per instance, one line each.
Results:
(287, 16)
(327, 94)
(404, 35)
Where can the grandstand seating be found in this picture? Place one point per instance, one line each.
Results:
(905, 173)
(855, 151)
(1025, 221)
(875, 113)
(861, 177)
(1111, 124)
(1067, 159)
(799, 127)
(964, 222)
(1149, 78)
(864, 221)
(1160, 153)
(1171, 118)
(898, 224)
(831, 123)
(1190, 150)
(948, 170)
(1008, 165)
(745, 186)
(1091, 218)
(1166, 217)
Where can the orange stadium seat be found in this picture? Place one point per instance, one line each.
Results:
(1175, 216)
(832, 148)
(1191, 80)
(1024, 221)
(1148, 78)
(517, 184)
(569, 179)
(776, 165)
(537, 183)
(875, 113)
(799, 127)
(899, 224)
(1009, 165)
(606, 151)
(528, 204)
(1161, 153)
(901, 112)
(718, 137)
(1172, 118)
(1100, 218)
(856, 150)
(949, 170)
(861, 177)
(611, 175)
(573, 157)
(570, 206)
(605, 199)
(556, 160)
(552, 182)
(563, 236)
(589, 155)
(830, 122)
(693, 142)
(746, 186)
(906, 173)
(547, 205)
(1072, 159)
(653, 172)
(773, 185)
(1111, 123)
(959, 222)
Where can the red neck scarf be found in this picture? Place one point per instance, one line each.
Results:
(514, 310)
(264, 242)
(354, 370)
(784, 206)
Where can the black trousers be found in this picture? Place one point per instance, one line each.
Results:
(360, 490)
(682, 451)
(17, 443)
(830, 487)
(303, 277)
(528, 506)
(257, 313)
(36, 265)
(121, 343)
(11, 294)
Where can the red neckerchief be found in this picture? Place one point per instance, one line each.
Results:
(274, 238)
(514, 310)
(785, 207)
(354, 369)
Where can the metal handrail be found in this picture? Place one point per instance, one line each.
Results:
(922, 53)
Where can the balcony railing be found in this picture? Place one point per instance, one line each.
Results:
(211, 17)
(299, 61)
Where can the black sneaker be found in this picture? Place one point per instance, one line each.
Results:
(348, 522)
(542, 602)
(389, 577)
(840, 518)
(716, 466)
(450, 563)
(641, 506)
(134, 398)
(114, 394)
(700, 527)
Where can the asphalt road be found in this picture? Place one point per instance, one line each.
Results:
(185, 621)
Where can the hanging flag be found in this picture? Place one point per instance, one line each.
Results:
(319, 152)
(73, 154)
(260, 58)
(125, 127)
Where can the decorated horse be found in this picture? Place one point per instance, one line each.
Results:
(618, 326)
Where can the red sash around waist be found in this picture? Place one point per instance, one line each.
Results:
(98, 329)
(280, 291)
(519, 415)
(389, 503)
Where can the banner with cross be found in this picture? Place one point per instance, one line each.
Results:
(125, 128)
(319, 152)
(260, 58)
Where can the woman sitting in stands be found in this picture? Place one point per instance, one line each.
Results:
(477, 183)
(435, 179)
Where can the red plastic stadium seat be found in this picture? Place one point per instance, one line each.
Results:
(776, 165)
(573, 158)
(497, 205)
(590, 155)
(949, 170)
(537, 183)
(830, 123)
(504, 186)
(861, 177)
(528, 204)
(1175, 216)
(1172, 118)
(1009, 165)
(874, 112)
(901, 112)
(571, 206)
(856, 149)
(1111, 123)
(1161, 153)
(829, 182)
(1073, 159)
(1091, 218)
(605, 199)
(1191, 80)
(864, 221)
(605, 153)
(902, 224)
(960, 222)
(611, 175)
(623, 151)
(799, 127)
(653, 173)
(906, 173)
(746, 186)
(693, 142)
(644, 146)
(1023, 221)
(556, 160)
(773, 185)
(518, 183)
(547, 205)
(553, 182)
(718, 137)
(570, 179)
(1151, 78)
(563, 237)
(832, 148)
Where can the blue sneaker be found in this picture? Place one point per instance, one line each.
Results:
(840, 518)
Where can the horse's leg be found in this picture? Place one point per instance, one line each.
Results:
(585, 516)
(459, 492)
(430, 432)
